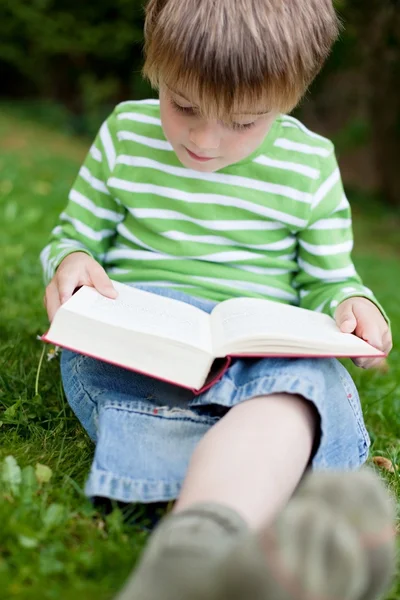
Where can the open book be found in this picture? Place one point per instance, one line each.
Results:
(177, 342)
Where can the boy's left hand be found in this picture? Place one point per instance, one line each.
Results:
(361, 317)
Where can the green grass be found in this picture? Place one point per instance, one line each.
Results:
(52, 543)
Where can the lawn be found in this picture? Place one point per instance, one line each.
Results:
(52, 542)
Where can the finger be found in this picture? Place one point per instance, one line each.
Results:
(52, 300)
(101, 281)
(373, 363)
(371, 326)
(345, 318)
(372, 334)
(387, 342)
(360, 362)
(66, 286)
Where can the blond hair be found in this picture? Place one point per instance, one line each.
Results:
(233, 53)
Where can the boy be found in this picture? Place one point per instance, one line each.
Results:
(212, 193)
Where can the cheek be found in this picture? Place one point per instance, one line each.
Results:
(246, 142)
(171, 123)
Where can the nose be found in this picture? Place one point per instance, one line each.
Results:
(205, 136)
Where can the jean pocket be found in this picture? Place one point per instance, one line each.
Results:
(138, 440)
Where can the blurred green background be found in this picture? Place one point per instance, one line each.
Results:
(64, 64)
(68, 62)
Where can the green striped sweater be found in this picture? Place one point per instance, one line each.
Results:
(276, 225)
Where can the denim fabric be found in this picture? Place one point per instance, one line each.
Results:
(145, 430)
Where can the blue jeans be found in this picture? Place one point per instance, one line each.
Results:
(146, 430)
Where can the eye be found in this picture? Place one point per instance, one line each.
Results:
(186, 110)
(242, 126)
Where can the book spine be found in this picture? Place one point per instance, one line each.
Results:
(215, 377)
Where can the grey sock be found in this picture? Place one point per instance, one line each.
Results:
(309, 553)
(182, 556)
(363, 500)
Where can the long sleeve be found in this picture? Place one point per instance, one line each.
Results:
(92, 214)
(327, 275)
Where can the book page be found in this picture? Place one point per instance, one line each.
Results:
(250, 325)
(144, 312)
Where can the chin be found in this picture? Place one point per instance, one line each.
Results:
(195, 166)
(205, 168)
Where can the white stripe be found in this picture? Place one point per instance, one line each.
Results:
(289, 121)
(52, 264)
(288, 166)
(234, 180)
(161, 284)
(87, 231)
(289, 125)
(128, 235)
(102, 213)
(146, 101)
(95, 183)
(45, 259)
(344, 205)
(250, 287)
(247, 286)
(302, 148)
(179, 236)
(361, 290)
(327, 274)
(262, 270)
(108, 145)
(227, 257)
(291, 256)
(326, 187)
(118, 271)
(124, 253)
(321, 307)
(68, 244)
(150, 254)
(331, 224)
(304, 293)
(96, 154)
(213, 199)
(65, 243)
(57, 230)
(216, 257)
(327, 250)
(129, 116)
(231, 225)
(144, 141)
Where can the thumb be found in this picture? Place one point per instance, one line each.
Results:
(101, 281)
(345, 319)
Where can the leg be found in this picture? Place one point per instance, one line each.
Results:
(203, 551)
(143, 431)
(242, 472)
(253, 459)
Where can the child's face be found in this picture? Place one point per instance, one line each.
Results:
(209, 145)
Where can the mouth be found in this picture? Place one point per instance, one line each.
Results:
(198, 158)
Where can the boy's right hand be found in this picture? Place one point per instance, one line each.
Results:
(75, 270)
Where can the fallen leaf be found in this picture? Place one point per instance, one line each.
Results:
(43, 473)
(384, 463)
